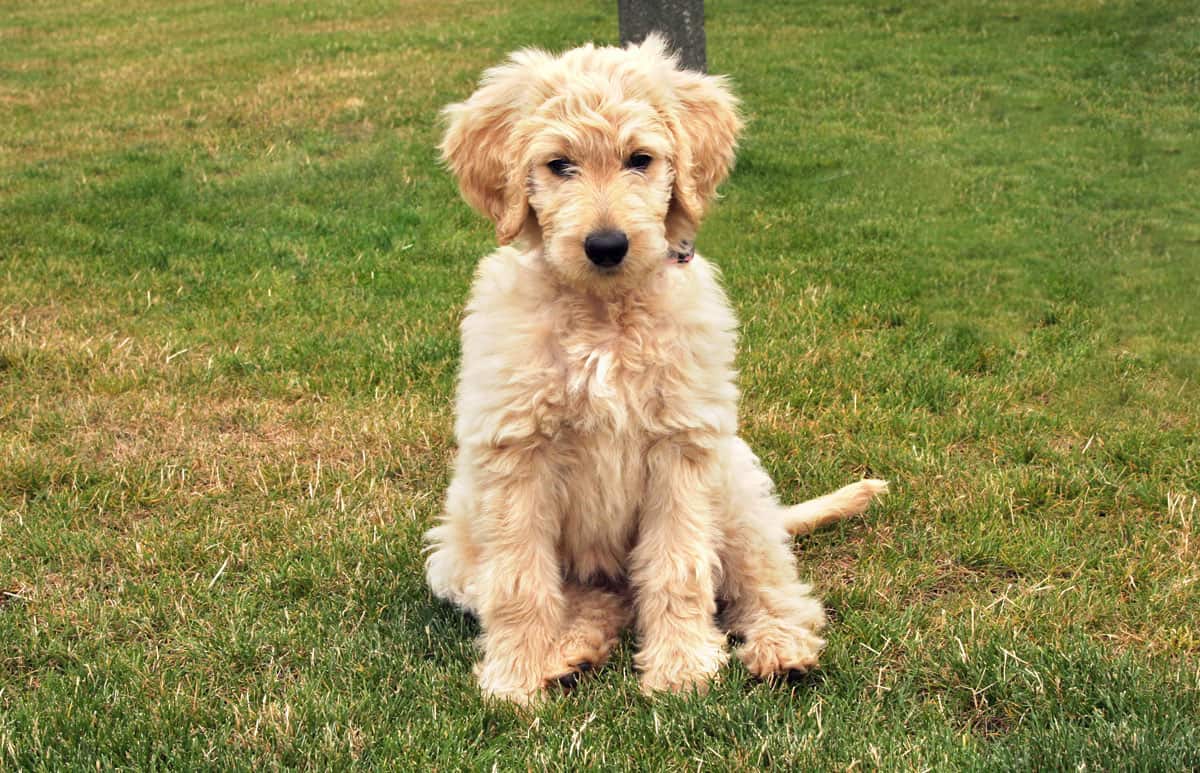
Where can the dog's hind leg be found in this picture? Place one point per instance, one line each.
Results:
(595, 619)
(765, 602)
(452, 567)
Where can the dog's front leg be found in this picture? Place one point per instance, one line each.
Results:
(522, 603)
(672, 568)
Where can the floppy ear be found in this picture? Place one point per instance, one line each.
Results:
(481, 144)
(706, 125)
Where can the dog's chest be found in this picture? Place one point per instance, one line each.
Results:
(605, 484)
(614, 380)
(613, 384)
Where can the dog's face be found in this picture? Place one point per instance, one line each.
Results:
(599, 184)
(606, 158)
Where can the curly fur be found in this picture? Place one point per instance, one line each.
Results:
(599, 466)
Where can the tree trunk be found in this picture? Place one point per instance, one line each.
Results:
(681, 21)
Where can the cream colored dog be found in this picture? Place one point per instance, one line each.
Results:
(599, 466)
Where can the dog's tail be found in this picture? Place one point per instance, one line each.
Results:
(849, 500)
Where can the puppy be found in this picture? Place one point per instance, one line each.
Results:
(599, 471)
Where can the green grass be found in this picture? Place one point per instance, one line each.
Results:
(964, 241)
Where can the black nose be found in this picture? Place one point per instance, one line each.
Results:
(606, 248)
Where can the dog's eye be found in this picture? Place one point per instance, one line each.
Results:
(639, 162)
(561, 167)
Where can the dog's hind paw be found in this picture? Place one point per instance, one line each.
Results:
(597, 618)
(572, 677)
(781, 654)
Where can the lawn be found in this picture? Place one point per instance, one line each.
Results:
(964, 242)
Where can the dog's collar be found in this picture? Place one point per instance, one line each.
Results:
(684, 254)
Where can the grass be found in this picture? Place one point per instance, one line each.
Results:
(964, 241)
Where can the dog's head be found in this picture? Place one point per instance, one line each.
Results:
(606, 157)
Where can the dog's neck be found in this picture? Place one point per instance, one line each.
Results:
(683, 254)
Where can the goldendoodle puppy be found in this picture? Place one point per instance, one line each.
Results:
(599, 471)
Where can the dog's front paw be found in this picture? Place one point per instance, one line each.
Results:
(675, 669)
(781, 652)
(500, 681)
